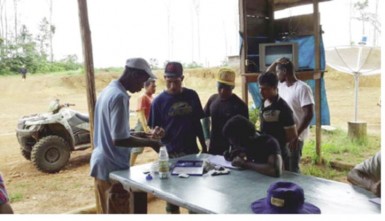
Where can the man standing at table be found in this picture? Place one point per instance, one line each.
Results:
(220, 107)
(299, 97)
(112, 138)
(178, 110)
(276, 116)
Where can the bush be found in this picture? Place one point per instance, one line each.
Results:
(254, 116)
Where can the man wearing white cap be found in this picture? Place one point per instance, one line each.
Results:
(112, 138)
(221, 107)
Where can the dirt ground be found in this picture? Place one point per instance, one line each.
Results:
(34, 192)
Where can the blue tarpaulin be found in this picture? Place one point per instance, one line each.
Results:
(305, 61)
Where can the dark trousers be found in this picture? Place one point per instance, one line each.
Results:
(111, 198)
(295, 158)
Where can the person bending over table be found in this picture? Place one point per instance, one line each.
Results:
(250, 150)
(368, 174)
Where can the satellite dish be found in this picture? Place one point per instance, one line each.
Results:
(355, 60)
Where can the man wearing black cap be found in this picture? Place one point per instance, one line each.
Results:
(112, 138)
(178, 110)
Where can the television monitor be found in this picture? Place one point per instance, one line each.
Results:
(270, 52)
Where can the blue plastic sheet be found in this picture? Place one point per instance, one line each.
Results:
(305, 60)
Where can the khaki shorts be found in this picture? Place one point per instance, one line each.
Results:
(111, 198)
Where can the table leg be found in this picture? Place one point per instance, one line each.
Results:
(138, 202)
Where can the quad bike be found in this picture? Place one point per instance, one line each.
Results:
(47, 139)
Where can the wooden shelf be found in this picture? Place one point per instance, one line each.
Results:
(301, 75)
(257, 19)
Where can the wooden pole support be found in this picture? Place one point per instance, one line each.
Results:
(357, 129)
(88, 62)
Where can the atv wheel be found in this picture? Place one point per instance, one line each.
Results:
(50, 154)
(26, 154)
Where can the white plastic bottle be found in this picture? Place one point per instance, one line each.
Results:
(163, 163)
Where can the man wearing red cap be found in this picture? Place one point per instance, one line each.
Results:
(178, 110)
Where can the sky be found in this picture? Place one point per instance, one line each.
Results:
(182, 30)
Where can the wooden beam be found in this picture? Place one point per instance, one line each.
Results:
(317, 65)
(88, 62)
(300, 25)
(242, 59)
(284, 4)
(271, 24)
(301, 75)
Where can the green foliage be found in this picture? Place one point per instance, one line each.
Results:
(32, 52)
(15, 197)
(338, 143)
(224, 63)
(110, 69)
(193, 65)
(361, 5)
(324, 171)
(336, 147)
(154, 63)
(254, 116)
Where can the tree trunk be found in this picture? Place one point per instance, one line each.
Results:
(357, 130)
(15, 14)
(50, 31)
(88, 62)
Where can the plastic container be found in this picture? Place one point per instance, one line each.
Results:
(164, 167)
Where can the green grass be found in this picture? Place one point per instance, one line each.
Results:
(65, 73)
(15, 197)
(337, 148)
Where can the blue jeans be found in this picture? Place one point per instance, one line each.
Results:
(295, 158)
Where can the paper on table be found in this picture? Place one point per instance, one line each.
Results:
(190, 167)
(376, 200)
(220, 161)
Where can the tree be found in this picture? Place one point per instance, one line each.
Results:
(196, 4)
(46, 30)
(27, 51)
(154, 63)
(3, 23)
(366, 16)
(15, 4)
(52, 31)
(361, 6)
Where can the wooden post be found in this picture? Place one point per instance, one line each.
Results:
(88, 62)
(317, 66)
(357, 130)
(242, 59)
(270, 9)
(138, 202)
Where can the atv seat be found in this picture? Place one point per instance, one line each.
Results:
(82, 117)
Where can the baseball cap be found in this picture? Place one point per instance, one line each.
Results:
(284, 198)
(173, 69)
(141, 64)
(226, 76)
